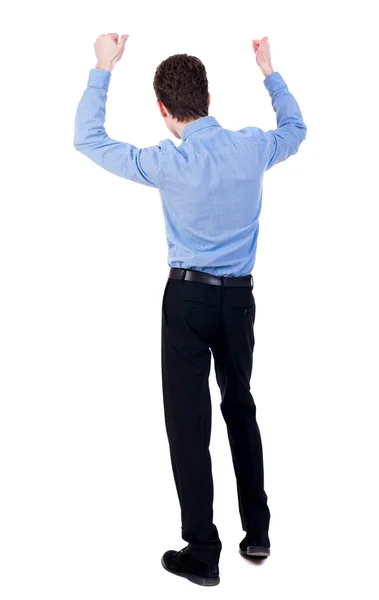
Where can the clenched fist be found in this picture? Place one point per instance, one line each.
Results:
(109, 50)
(263, 56)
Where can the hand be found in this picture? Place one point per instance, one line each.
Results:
(109, 50)
(263, 56)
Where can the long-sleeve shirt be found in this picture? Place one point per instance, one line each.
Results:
(210, 185)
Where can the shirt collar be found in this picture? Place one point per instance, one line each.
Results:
(201, 123)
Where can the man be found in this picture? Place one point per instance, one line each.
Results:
(211, 193)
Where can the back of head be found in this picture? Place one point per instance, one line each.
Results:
(181, 84)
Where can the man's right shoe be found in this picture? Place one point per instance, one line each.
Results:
(255, 546)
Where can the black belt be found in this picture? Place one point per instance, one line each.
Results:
(192, 275)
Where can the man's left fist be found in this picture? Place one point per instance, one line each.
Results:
(109, 50)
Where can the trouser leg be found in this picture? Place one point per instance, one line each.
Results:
(233, 357)
(186, 360)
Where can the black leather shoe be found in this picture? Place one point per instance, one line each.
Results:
(183, 564)
(256, 546)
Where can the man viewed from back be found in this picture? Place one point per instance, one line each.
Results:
(211, 193)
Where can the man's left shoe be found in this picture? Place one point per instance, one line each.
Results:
(183, 564)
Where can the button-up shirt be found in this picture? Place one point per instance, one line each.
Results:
(210, 185)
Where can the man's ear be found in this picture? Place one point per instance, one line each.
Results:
(209, 98)
(162, 108)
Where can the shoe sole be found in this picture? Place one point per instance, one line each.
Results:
(256, 552)
(194, 578)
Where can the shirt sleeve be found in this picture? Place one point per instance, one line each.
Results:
(291, 129)
(141, 165)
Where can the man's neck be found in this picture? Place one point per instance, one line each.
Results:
(181, 125)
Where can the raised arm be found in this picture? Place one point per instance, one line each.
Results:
(141, 165)
(291, 132)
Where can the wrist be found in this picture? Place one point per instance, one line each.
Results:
(104, 66)
(267, 71)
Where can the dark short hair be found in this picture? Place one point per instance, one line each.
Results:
(181, 83)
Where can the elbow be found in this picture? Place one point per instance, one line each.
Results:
(81, 138)
(80, 145)
(76, 138)
(78, 141)
(301, 134)
(305, 129)
(302, 131)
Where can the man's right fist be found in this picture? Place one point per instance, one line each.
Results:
(263, 56)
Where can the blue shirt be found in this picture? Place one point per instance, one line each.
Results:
(210, 185)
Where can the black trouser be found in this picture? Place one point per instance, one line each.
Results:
(198, 318)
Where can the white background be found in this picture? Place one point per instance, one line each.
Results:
(88, 503)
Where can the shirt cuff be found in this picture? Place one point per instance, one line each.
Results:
(274, 82)
(99, 78)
